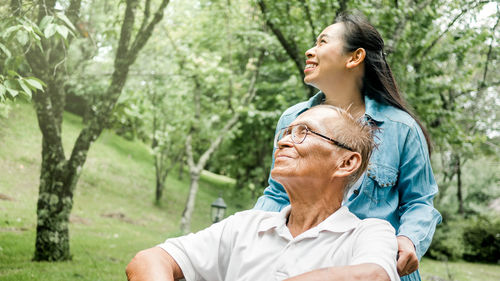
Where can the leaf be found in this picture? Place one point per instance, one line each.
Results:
(12, 73)
(25, 89)
(28, 28)
(9, 30)
(39, 46)
(2, 90)
(50, 30)
(34, 83)
(11, 86)
(46, 20)
(10, 83)
(62, 30)
(66, 21)
(5, 50)
(22, 37)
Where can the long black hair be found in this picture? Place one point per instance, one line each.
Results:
(378, 81)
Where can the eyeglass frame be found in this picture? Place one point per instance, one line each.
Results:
(337, 143)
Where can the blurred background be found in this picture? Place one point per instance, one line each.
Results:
(122, 121)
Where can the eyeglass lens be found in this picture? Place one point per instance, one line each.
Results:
(298, 134)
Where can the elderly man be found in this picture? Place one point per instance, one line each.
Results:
(315, 238)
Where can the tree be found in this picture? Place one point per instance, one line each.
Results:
(153, 112)
(214, 107)
(167, 137)
(59, 175)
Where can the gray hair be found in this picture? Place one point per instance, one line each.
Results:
(356, 134)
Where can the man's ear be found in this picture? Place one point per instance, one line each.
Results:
(356, 58)
(348, 164)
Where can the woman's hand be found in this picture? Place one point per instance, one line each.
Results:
(407, 256)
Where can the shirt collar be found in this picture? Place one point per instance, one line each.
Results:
(276, 220)
(340, 221)
(318, 98)
(373, 109)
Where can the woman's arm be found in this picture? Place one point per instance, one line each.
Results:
(417, 188)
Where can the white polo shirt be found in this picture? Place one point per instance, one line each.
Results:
(256, 245)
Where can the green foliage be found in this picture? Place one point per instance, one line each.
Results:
(17, 35)
(438, 51)
(475, 239)
(14, 84)
(482, 240)
(480, 190)
(448, 242)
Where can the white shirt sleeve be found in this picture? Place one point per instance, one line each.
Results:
(376, 243)
(203, 255)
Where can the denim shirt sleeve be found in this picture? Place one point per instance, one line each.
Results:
(417, 188)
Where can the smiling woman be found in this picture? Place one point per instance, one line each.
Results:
(348, 65)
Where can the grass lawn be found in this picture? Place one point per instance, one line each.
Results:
(432, 270)
(113, 215)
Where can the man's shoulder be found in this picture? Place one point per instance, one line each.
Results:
(251, 222)
(359, 224)
(374, 223)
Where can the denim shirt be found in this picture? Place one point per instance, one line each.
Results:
(398, 185)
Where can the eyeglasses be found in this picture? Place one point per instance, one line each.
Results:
(299, 133)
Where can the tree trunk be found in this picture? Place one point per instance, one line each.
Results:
(160, 184)
(459, 187)
(55, 201)
(181, 169)
(161, 178)
(55, 198)
(188, 210)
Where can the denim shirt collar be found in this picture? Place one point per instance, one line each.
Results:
(372, 108)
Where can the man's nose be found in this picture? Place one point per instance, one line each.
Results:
(311, 52)
(286, 141)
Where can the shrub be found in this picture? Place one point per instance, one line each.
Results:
(482, 240)
(448, 243)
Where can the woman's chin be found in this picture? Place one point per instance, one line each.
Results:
(308, 80)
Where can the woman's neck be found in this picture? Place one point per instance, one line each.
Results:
(348, 99)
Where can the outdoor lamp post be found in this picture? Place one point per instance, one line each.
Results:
(218, 209)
